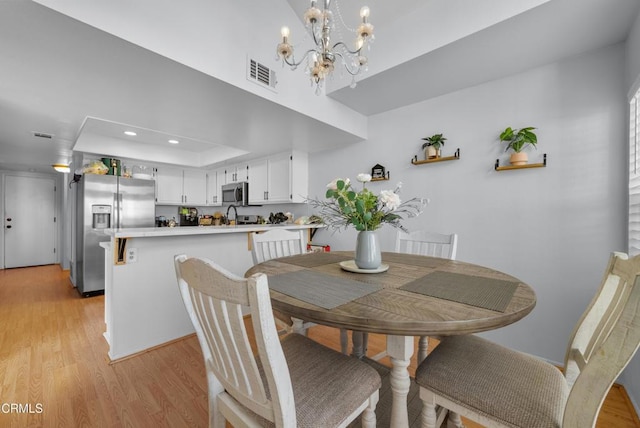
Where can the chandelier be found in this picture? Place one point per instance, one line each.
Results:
(321, 59)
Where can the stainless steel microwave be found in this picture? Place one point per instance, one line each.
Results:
(235, 193)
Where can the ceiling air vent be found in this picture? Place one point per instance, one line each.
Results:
(261, 74)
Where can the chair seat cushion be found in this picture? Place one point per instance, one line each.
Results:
(502, 384)
(327, 385)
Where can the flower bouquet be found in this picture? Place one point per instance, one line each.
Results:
(366, 212)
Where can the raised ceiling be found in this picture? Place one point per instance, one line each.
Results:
(57, 72)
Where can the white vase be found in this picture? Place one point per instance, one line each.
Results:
(368, 250)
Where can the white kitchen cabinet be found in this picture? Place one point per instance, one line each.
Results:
(168, 185)
(237, 173)
(215, 180)
(180, 186)
(281, 178)
(258, 181)
(194, 187)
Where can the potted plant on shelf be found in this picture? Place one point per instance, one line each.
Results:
(517, 140)
(432, 146)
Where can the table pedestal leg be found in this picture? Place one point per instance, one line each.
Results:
(400, 349)
(358, 348)
(423, 346)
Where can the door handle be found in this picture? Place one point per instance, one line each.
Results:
(9, 219)
(9, 227)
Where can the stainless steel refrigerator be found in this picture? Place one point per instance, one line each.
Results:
(106, 202)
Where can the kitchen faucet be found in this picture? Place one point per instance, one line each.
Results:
(236, 214)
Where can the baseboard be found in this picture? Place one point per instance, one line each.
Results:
(144, 351)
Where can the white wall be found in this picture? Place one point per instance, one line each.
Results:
(633, 55)
(227, 34)
(552, 227)
(632, 374)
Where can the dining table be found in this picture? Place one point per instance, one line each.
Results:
(407, 296)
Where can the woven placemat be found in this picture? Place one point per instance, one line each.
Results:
(487, 293)
(314, 259)
(409, 259)
(320, 289)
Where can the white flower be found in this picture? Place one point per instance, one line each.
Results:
(390, 199)
(333, 185)
(364, 178)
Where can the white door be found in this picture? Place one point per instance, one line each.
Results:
(29, 221)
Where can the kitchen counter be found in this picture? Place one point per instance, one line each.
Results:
(201, 230)
(143, 306)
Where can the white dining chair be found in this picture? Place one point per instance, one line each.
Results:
(427, 244)
(295, 382)
(276, 243)
(500, 387)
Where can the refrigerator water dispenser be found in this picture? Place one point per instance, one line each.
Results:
(101, 216)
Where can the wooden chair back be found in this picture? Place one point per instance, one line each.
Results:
(277, 243)
(214, 299)
(604, 341)
(427, 244)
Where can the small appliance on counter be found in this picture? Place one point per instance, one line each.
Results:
(188, 216)
(249, 219)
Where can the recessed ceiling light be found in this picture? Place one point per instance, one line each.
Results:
(61, 167)
(174, 141)
(130, 133)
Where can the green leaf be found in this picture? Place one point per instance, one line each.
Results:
(351, 195)
(359, 206)
(507, 134)
(340, 184)
(330, 194)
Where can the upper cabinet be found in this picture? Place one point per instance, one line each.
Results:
(194, 187)
(215, 180)
(236, 173)
(180, 186)
(281, 178)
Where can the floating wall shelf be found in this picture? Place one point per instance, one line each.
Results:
(529, 165)
(455, 156)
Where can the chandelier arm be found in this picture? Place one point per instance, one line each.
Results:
(293, 63)
(344, 62)
(356, 52)
(312, 30)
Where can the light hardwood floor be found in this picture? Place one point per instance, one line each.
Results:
(54, 365)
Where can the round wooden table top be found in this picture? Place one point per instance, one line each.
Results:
(392, 310)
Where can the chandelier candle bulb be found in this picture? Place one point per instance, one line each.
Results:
(285, 33)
